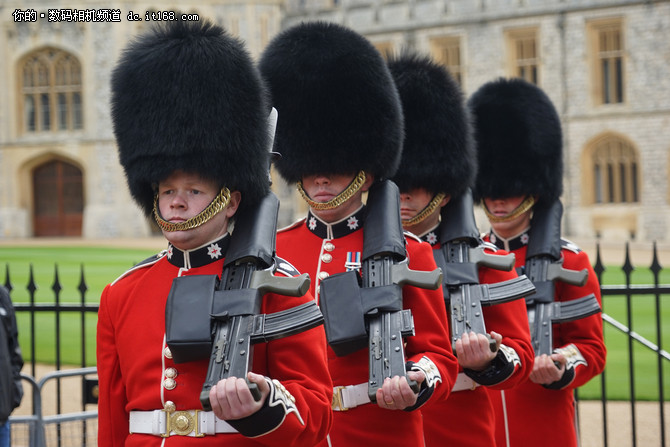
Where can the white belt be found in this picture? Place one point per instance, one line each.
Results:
(463, 383)
(346, 397)
(193, 423)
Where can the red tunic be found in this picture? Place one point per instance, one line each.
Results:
(531, 414)
(132, 364)
(467, 417)
(321, 250)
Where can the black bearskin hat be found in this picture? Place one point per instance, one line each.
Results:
(519, 141)
(187, 96)
(339, 111)
(438, 152)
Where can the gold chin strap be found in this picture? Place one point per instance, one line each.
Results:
(217, 205)
(427, 211)
(524, 206)
(342, 197)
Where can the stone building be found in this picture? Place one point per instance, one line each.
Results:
(604, 63)
(59, 168)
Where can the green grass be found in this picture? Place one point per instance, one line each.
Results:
(101, 265)
(104, 264)
(643, 322)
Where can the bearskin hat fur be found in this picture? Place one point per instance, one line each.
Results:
(339, 111)
(519, 141)
(438, 153)
(187, 96)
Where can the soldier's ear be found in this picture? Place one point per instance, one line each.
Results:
(446, 200)
(369, 180)
(233, 203)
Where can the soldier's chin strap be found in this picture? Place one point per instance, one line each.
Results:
(427, 211)
(217, 205)
(524, 206)
(342, 197)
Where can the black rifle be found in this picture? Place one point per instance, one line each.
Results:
(460, 256)
(544, 266)
(375, 305)
(248, 274)
(221, 319)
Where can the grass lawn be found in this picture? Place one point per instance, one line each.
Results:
(101, 265)
(645, 364)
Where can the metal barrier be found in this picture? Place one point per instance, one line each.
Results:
(62, 430)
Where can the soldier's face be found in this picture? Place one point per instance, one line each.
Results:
(325, 187)
(184, 195)
(503, 207)
(412, 202)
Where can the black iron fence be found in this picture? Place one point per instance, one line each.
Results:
(652, 343)
(627, 291)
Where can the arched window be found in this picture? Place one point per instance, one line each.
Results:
(51, 92)
(614, 168)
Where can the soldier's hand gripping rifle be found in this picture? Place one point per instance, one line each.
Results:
(221, 319)
(460, 255)
(374, 305)
(544, 266)
(248, 274)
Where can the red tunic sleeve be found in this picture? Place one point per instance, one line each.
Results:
(112, 417)
(586, 334)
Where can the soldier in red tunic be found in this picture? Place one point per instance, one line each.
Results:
(190, 119)
(519, 143)
(438, 165)
(340, 130)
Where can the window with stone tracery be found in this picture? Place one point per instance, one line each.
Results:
(51, 92)
(614, 171)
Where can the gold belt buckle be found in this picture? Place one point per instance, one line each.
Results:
(338, 403)
(182, 423)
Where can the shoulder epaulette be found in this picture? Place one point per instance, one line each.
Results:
(295, 224)
(569, 245)
(285, 268)
(142, 264)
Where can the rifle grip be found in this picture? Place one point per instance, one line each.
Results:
(575, 277)
(414, 385)
(206, 404)
(402, 275)
(492, 343)
(265, 281)
(204, 398)
(555, 271)
(255, 391)
(497, 262)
